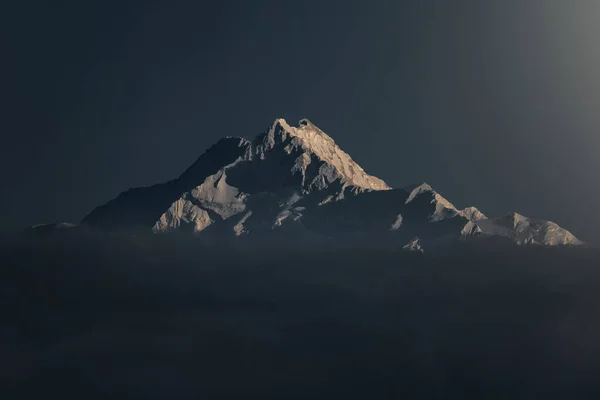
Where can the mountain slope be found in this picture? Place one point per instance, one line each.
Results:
(283, 166)
(140, 208)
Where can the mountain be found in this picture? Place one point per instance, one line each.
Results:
(295, 181)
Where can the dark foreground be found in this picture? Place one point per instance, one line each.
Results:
(158, 319)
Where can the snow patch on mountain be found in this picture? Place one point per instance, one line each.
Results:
(183, 212)
(414, 246)
(239, 228)
(397, 223)
(288, 215)
(217, 195)
(214, 196)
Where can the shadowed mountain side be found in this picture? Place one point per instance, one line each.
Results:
(369, 212)
(140, 208)
(383, 215)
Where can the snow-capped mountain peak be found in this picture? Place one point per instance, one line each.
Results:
(296, 179)
(311, 141)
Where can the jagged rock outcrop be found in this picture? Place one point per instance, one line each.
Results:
(523, 230)
(414, 246)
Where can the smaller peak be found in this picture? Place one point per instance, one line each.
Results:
(276, 134)
(515, 220)
(415, 190)
(421, 187)
(472, 213)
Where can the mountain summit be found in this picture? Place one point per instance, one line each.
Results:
(312, 145)
(295, 180)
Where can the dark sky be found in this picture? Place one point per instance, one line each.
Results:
(494, 103)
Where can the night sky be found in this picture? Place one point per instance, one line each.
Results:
(494, 103)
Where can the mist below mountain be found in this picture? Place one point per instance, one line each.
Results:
(167, 317)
